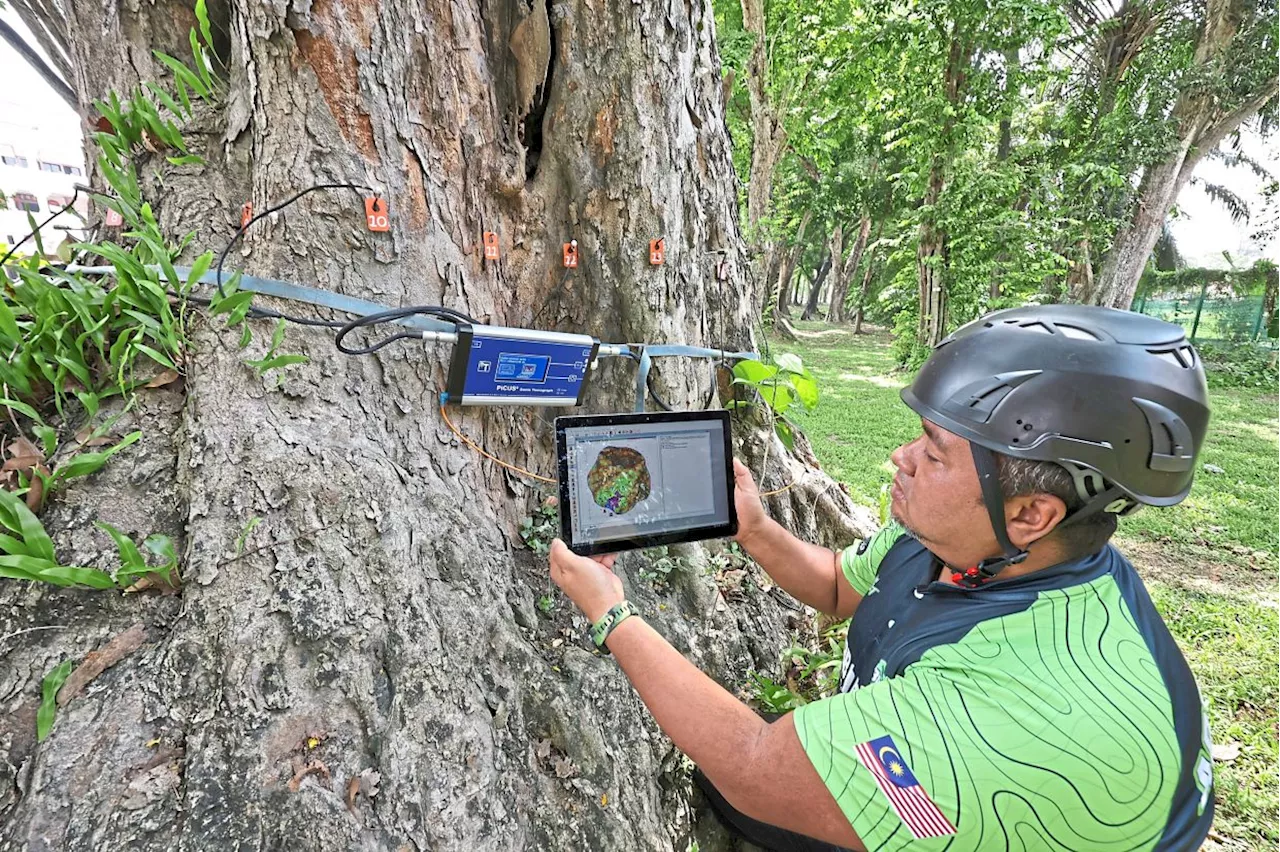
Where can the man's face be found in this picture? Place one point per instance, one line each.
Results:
(936, 496)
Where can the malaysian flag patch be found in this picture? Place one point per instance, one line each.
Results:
(910, 802)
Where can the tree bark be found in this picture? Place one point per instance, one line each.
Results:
(844, 280)
(931, 251)
(819, 277)
(768, 136)
(380, 622)
(837, 252)
(862, 299)
(783, 301)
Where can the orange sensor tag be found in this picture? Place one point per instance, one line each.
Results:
(490, 245)
(375, 214)
(657, 252)
(571, 255)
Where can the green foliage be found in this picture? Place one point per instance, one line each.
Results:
(49, 687)
(807, 673)
(780, 384)
(1241, 365)
(245, 533)
(659, 566)
(74, 342)
(537, 530)
(547, 603)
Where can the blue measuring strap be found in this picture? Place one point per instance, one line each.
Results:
(296, 293)
(360, 307)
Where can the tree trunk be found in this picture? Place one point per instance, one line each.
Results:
(380, 623)
(811, 304)
(931, 271)
(768, 137)
(783, 301)
(931, 251)
(1203, 120)
(844, 281)
(837, 252)
(862, 300)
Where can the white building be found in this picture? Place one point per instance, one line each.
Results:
(40, 165)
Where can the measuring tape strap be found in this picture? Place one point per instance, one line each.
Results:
(296, 293)
(361, 308)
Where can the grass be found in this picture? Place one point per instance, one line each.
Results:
(1210, 563)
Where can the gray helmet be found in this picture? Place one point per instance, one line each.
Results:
(1117, 398)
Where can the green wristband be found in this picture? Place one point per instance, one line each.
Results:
(617, 614)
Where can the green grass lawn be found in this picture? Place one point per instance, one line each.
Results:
(1210, 563)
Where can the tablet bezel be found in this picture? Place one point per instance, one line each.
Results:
(619, 544)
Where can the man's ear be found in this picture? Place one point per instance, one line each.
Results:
(1031, 517)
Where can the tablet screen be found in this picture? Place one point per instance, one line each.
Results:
(639, 480)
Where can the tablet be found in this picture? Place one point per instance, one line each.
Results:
(642, 480)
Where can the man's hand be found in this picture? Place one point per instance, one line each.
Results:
(746, 499)
(589, 582)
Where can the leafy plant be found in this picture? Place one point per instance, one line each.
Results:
(780, 385)
(49, 698)
(658, 567)
(134, 565)
(537, 530)
(272, 361)
(1242, 365)
(547, 603)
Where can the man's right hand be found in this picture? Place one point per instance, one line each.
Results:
(746, 499)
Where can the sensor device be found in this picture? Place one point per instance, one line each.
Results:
(495, 365)
(641, 480)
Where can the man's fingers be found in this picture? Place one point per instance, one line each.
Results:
(606, 560)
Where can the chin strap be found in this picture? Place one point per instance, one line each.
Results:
(993, 498)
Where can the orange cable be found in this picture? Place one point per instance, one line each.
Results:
(473, 445)
(786, 487)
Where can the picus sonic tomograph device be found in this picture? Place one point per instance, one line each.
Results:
(496, 365)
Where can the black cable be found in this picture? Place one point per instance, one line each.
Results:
(448, 314)
(37, 229)
(268, 312)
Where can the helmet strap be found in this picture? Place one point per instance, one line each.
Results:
(1113, 499)
(993, 498)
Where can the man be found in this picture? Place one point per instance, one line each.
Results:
(1007, 683)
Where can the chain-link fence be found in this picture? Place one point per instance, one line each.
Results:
(1213, 314)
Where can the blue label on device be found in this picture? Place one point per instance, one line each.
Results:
(537, 371)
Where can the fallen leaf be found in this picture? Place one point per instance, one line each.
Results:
(353, 788)
(96, 662)
(35, 489)
(21, 448)
(1225, 752)
(313, 767)
(543, 750)
(156, 580)
(167, 377)
(604, 800)
(564, 767)
(85, 438)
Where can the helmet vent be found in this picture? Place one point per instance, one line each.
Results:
(1076, 333)
(978, 400)
(1181, 356)
(1171, 445)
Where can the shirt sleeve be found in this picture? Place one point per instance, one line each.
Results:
(889, 764)
(861, 562)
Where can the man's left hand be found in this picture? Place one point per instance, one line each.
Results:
(589, 582)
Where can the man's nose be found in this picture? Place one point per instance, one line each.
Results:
(899, 458)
